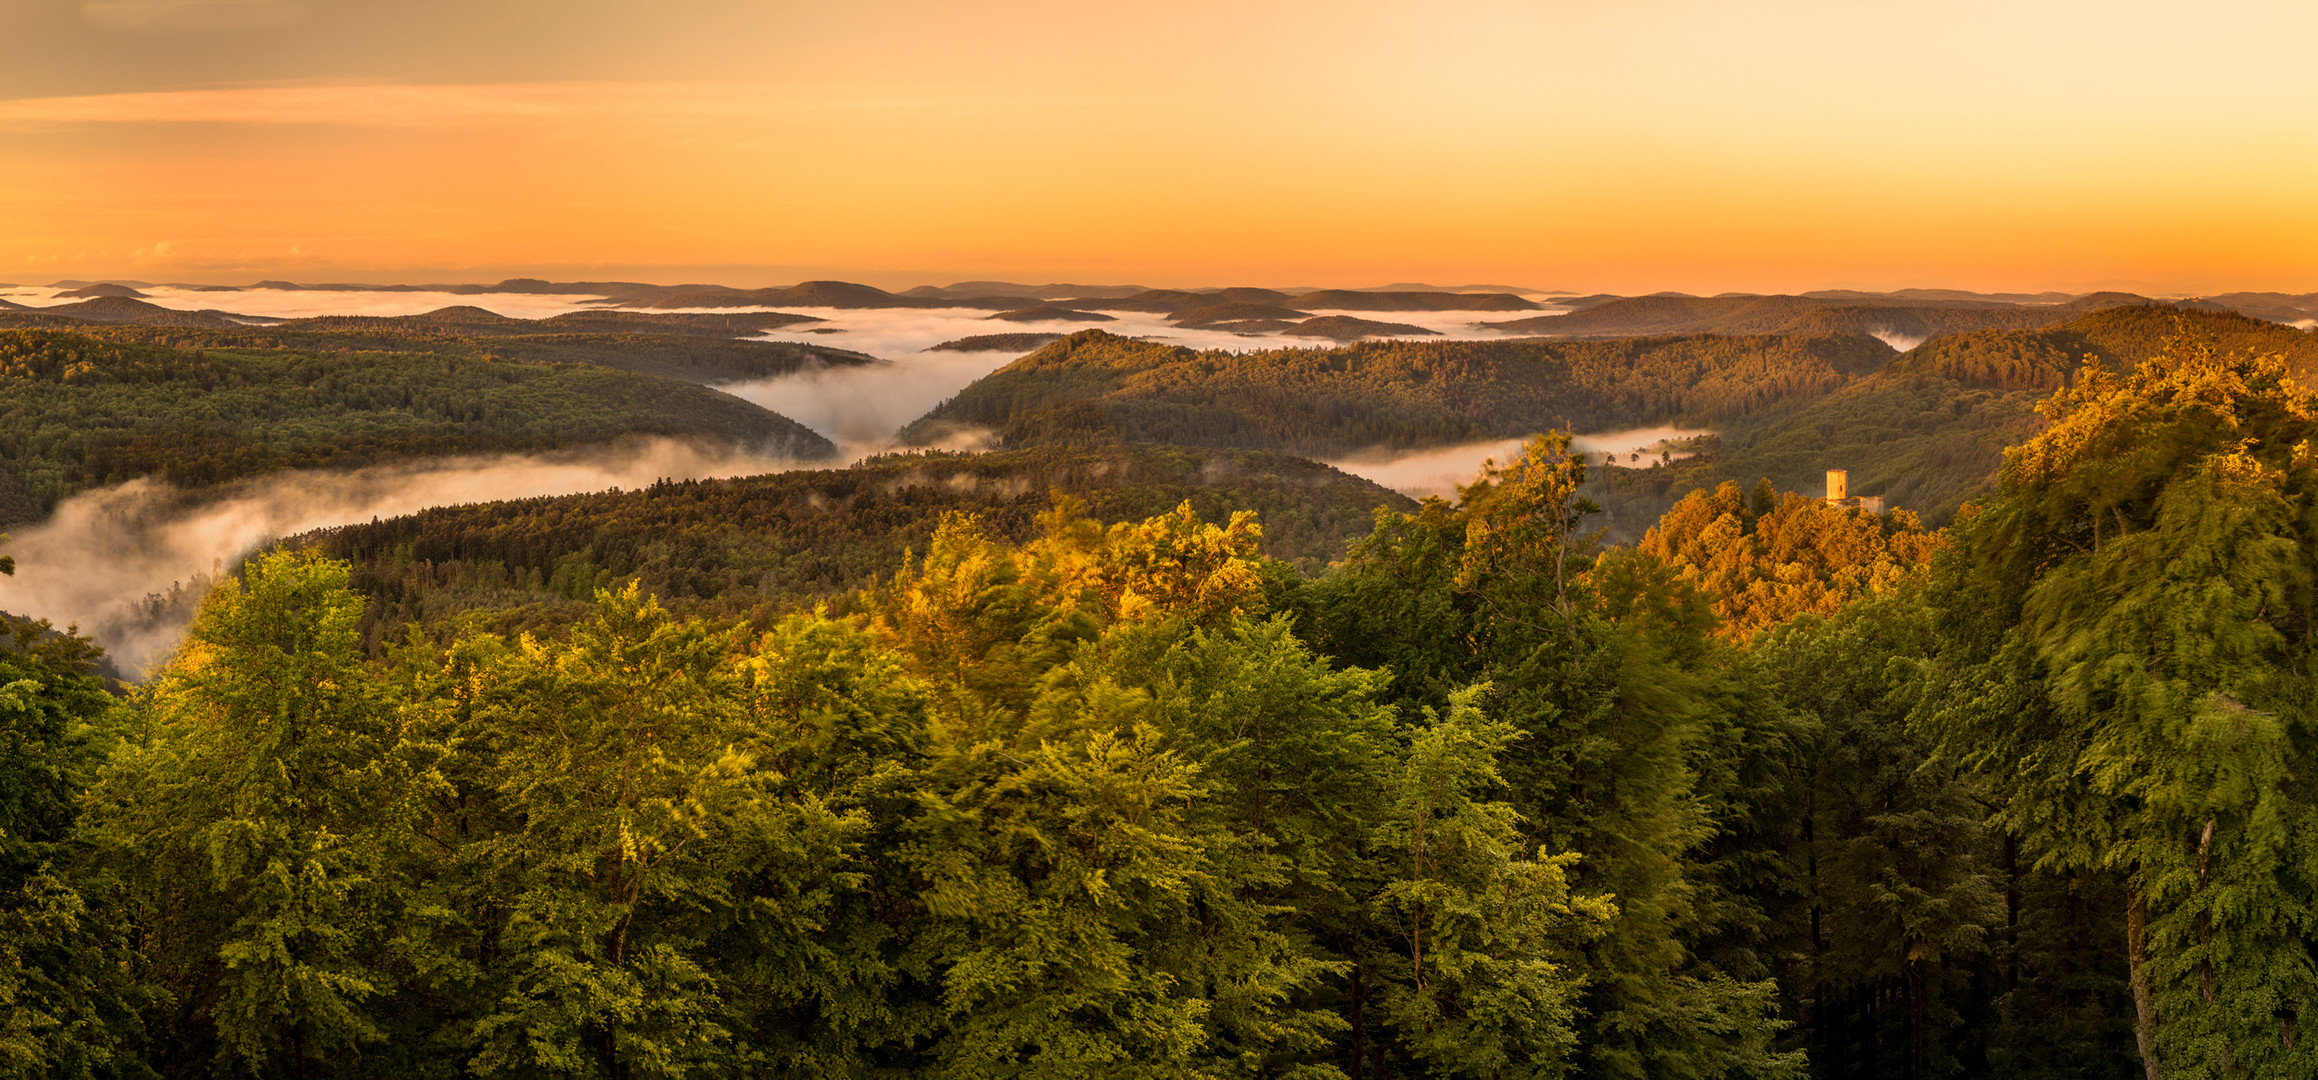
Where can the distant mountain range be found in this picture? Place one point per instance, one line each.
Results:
(1901, 317)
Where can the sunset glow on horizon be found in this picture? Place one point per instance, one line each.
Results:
(1693, 146)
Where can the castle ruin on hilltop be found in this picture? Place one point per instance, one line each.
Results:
(1839, 493)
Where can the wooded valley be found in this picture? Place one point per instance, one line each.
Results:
(1144, 746)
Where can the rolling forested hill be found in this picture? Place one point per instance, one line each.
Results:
(1785, 789)
(695, 348)
(78, 411)
(1097, 387)
(771, 542)
(1925, 444)
(2118, 338)
(1928, 430)
(1630, 316)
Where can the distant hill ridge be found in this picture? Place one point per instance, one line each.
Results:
(2116, 337)
(1613, 315)
(1627, 316)
(1095, 387)
(707, 349)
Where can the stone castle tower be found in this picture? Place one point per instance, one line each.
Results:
(1838, 485)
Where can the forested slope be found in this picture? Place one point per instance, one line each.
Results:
(78, 411)
(1096, 387)
(1637, 315)
(762, 543)
(1924, 444)
(1785, 790)
(2117, 338)
(695, 348)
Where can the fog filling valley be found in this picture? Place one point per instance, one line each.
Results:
(110, 560)
(1441, 470)
(127, 564)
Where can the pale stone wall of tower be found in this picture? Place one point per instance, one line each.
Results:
(1838, 485)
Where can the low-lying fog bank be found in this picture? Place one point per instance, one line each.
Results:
(860, 408)
(128, 563)
(307, 303)
(897, 334)
(1441, 470)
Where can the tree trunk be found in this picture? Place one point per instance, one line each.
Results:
(2137, 962)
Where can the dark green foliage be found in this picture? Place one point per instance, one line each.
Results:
(1096, 387)
(1631, 752)
(1895, 899)
(67, 1005)
(2129, 622)
(78, 412)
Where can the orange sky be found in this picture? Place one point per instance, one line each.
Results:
(1629, 146)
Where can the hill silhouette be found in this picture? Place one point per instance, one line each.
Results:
(104, 288)
(122, 309)
(1363, 300)
(1209, 315)
(1015, 343)
(976, 289)
(1348, 328)
(1051, 313)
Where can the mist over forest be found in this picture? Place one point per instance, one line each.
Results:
(617, 679)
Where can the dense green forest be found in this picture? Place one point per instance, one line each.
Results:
(79, 411)
(755, 547)
(1095, 387)
(1783, 790)
(1097, 757)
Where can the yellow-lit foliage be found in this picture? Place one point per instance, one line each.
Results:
(1170, 566)
(979, 619)
(1764, 564)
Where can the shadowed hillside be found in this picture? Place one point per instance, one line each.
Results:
(79, 412)
(1628, 316)
(1097, 387)
(1013, 343)
(2118, 338)
(694, 348)
(1928, 431)
(763, 543)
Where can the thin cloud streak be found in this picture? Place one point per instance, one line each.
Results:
(454, 106)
